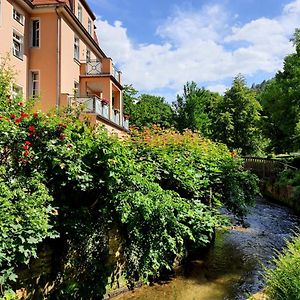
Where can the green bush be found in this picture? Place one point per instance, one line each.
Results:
(160, 189)
(283, 282)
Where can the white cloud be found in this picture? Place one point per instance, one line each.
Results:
(202, 46)
(219, 88)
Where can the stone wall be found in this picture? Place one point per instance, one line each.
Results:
(286, 195)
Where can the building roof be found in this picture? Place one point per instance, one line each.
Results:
(69, 3)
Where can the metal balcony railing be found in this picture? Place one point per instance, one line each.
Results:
(93, 67)
(95, 105)
(115, 72)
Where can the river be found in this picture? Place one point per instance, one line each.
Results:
(232, 268)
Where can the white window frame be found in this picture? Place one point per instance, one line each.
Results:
(17, 16)
(16, 90)
(88, 55)
(76, 88)
(79, 12)
(37, 42)
(89, 26)
(35, 92)
(18, 39)
(76, 48)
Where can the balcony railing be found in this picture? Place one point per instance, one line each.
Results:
(95, 105)
(95, 67)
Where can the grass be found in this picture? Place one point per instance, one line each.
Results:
(283, 282)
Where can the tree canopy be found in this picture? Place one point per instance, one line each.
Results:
(146, 110)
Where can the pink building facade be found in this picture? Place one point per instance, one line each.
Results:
(55, 52)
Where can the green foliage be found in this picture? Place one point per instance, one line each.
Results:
(280, 100)
(283, 282)
(25, 202)
(160, 189)
(24, 222)
(197, 169)
(195, 109)
(147, 110)
(239, 117)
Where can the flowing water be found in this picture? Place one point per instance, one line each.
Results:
(232, 269)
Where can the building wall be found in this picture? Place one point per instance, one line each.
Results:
(7, 27)
(70, 69)
(44, 60)
(85, 15)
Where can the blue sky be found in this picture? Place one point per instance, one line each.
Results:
(159, 45)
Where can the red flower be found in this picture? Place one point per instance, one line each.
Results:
(105, 101)
(25, 147)
(13, 117)
(35, 115)
(23, 115)
(27, 143)
(26, 153)
(31, 128)
(21, 104)
(18, 120)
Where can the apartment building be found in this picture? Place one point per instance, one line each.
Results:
(58, 59)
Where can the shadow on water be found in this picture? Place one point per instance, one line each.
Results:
(232, 268)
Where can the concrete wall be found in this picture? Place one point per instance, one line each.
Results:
(286, 195)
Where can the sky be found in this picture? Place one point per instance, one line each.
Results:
(159, 45)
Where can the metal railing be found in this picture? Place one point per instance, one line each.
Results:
(95, 105)
(115, 72)
(265, 167)
(93, 67)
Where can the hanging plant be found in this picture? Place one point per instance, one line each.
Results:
(105, 101)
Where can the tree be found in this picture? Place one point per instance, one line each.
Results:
(129, 98)
(146, 110)
(195, 108)
(238, 117)
(281, 103)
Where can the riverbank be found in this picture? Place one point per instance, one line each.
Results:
(232, 269)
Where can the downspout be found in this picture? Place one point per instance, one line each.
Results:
(58, 61)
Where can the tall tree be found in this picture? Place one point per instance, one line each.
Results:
(194, 109)
(238, 117)
(129, 98)
(281, 103)
(147, 110)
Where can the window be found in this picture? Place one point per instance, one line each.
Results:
(17, 45)
(76, 48)
(17, 91)
(76, 89)
(89, 26)
(35, 83)
(79, 13)
(35, 33)
(88, 55)
(18, 16)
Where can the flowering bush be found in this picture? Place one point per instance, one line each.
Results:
(160, 189)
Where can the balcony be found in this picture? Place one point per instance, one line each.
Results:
(99, 107)
(97, 68)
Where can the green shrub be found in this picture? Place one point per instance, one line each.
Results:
(283, 282)
(160, 189)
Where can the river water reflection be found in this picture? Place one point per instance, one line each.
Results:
(232, 268)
